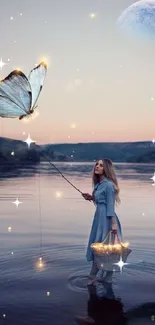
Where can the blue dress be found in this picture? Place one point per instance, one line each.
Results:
(104, 193)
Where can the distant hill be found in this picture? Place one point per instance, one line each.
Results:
(16, 153)
(138, 152)
(117, 151)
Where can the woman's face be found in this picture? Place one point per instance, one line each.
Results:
(99, 168)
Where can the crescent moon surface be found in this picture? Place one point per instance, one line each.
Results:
(139, 20)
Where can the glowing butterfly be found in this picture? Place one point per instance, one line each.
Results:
(19, 94)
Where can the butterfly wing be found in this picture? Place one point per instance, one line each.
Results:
(36, 80)
(15, 92)
(9, 109)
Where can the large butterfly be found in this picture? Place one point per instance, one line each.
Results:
(19, 94)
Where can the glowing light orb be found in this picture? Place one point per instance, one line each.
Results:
(40, 264)
(58, 195)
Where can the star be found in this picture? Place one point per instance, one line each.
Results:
(12, 153)
(121, 263)
(2, 64)
(4, 315)
(17, 202)
(29, 141)
(153, 178)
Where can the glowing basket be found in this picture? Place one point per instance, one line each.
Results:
(106, 255)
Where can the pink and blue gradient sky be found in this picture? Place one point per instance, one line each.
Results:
(97, 79)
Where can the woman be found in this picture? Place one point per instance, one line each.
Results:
(104, 196)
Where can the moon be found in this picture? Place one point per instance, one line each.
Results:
(139, 20)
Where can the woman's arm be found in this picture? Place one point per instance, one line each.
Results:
(110, 198)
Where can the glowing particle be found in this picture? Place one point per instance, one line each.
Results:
(73, 126)
(29, 141)
(121, 264)
(9, 229)
(2, 64)
(152, 98)
(4, 315)
(12, 153)
(17, 202)
(153, 177)
(58, 195)
(12, 253)
(68, 136)
(21, 14)
(48, 293)
(92, 15)
(11, 18)
(153, 141)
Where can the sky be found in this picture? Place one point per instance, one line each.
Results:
(100, 84)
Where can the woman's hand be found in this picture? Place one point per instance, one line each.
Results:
(87, 196)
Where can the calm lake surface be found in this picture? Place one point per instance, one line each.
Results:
(57, 228)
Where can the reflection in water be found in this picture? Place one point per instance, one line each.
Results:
(104, 308)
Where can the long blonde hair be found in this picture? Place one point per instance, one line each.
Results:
(109, 173)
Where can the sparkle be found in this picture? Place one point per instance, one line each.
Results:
(4, 315)
(9, 60)
(153, 141)
(29, 141)
(92, 132)
(12, 253)
(15, 41)
(121, 263)
(152, 98)
(21, 14)
(77, 70)
(68, 136)
(24, 133)
(9, 229)
(12, 153)
(72, 156)
(2, 64)
(58, 195)
(48, 293)
(92, 15)
(153, 178)
(17, 202)
(11, 18)
(143, 213)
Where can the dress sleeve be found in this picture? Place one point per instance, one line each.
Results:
(110, 198)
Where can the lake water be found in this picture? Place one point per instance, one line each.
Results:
(57, 228)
